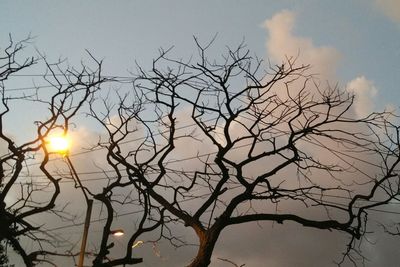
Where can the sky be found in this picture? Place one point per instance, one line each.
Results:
(354, 43)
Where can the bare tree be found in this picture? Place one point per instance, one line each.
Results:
(206, 143)
(228, 142)
(21, 199)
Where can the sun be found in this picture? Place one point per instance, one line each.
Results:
(59, 144)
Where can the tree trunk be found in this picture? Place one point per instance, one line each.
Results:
(207, 244)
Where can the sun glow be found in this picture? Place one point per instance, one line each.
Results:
(59, 144)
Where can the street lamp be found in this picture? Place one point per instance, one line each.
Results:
(117, 232)
(61, 145)
(138, 243)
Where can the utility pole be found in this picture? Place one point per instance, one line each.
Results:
(89, 203)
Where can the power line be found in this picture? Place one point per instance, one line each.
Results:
(69, 75)
(208, 154)
(174, 172)
(185, 200)
(92, 221)
(112, 79)
(121, 143)
(194, 124)
(319, 144)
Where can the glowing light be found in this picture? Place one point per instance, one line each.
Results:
(118, 232)
(138, 243)
(59, 144)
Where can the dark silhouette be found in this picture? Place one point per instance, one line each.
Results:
(208, 144)
(228, 142)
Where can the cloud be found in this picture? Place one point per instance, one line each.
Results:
(267, 245)
(364, 92)
(391, 8)
(283, 43)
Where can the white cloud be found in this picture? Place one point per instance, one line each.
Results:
(390, 8)
(283, 43)
(365, 92)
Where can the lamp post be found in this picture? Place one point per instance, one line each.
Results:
(89, 203)
(61, 145)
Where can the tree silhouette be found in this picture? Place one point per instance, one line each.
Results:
(3, 256)
(21, 199)
(205, 143)
(225, 142)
